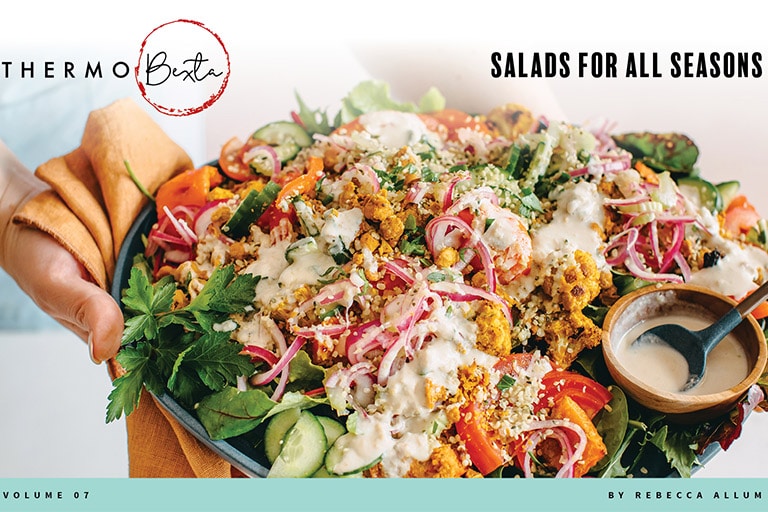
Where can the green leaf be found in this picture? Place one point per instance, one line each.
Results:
(141, 263)
(176, 380)
(673, 152)
(614, 468)
(529, 202)
(303, 374)
(436, 277)
(162, 295)
(296, 399)
(230, 412)
(139, 327)
(238, 295)
(224, 292)
(374, 95)
(314, 121)
(678, 447)
(432, 101)
(125, 394)
(169, 344)
(212, 360)
(180, 318)
(138, 295)
(220, 278)
(218, 361)
(145, 300)
(595, 313)
(205, 320)
(506, 382)
(124, 397)
(611, 423)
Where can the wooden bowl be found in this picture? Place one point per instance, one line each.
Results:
(657, 301)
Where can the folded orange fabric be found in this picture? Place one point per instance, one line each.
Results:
(91, 206)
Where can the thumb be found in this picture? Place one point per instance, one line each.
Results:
(89, 312)
(100, 317)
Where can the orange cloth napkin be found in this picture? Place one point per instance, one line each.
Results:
(89, 209)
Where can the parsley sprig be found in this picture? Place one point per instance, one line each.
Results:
(179, 350)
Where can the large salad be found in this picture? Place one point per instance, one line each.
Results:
(412, 290)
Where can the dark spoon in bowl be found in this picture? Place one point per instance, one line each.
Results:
(695, 345)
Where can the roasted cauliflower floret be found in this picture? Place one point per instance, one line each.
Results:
(447, 257)
(391, 229)
(377, 207)
(348, 197)
(493, 331)
(474, 381)
(577, 285)
(568, 334)
(444, 462)
(510, 120)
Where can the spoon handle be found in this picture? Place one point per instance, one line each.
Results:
(712, 335)
(753, 300)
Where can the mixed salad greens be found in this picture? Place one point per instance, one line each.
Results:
(411, 290)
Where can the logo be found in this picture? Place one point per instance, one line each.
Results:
(183, 68)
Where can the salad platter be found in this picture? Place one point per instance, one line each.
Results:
(410, 290)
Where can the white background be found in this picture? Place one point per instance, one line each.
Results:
(52, 398)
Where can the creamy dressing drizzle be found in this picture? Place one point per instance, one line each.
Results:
(394, 129)
(573, 227)
(579, 211)
(400, 427)
(740, 267)
(279, 279)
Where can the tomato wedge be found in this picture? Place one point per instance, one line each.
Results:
(272, 216)
(585, 391)
(740, 216)
(446, 121)
(512, 363)
(232, 159)
(452, 120)
(485, 454)
(589, 394)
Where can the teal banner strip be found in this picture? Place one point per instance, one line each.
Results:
(339, 495)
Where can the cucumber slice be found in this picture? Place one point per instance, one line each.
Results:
(627, 283)
(286, 137)
(337, 453)
(278, 426)
(306, 217)
(299, 248)
(708, 194)
(324, 473)
(647, 207)
(333, 429)
(303, 450)
(250, 209)
(728, 190)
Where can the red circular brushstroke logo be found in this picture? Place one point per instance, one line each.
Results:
(183, 68)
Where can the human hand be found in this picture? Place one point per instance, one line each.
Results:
(49, 273)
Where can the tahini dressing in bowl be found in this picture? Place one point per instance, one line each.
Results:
(661, 366)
